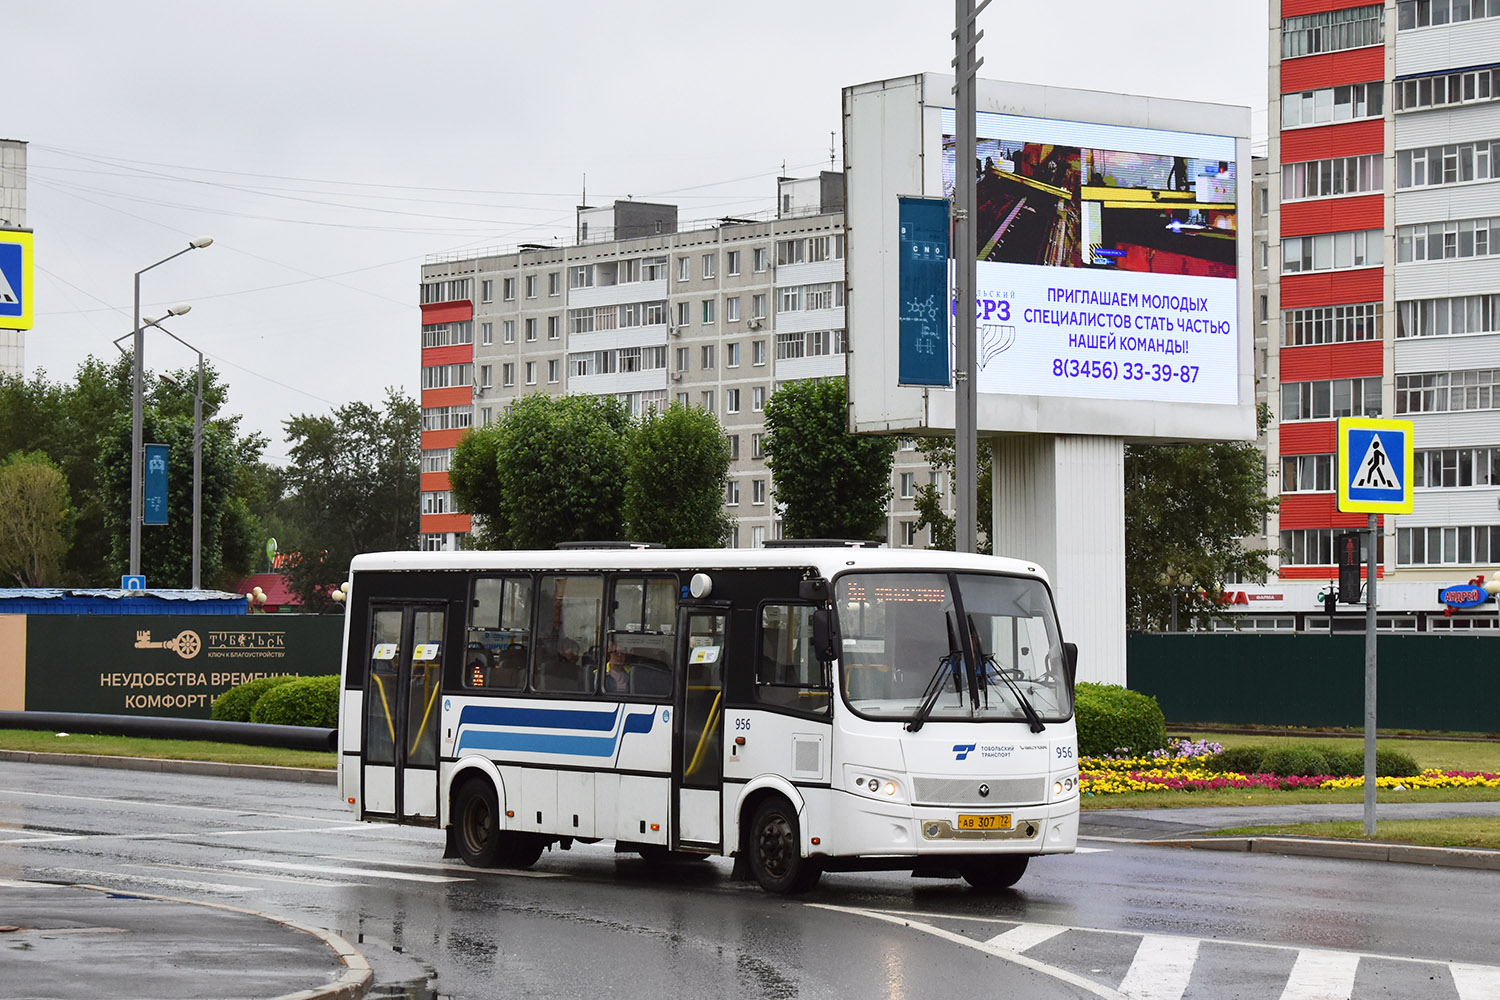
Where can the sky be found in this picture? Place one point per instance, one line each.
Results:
(329, 146)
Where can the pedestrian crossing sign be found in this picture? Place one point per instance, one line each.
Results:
(1375, 466)
(15, 279)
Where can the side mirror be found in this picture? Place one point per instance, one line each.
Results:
(814, 589)
(1070, 658)
(826, 639)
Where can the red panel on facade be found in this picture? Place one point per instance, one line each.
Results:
(1317, 510)
(1333, 288)
(1296, 8)
(1353, 66)
(432, 440)
(447, 312)
(454, 354)
(435, 523)
(1333, 215)
(1324, 361)
(1343, 139)
(1310, 438)
(435, 481)
(1319, 573)
(458, 395)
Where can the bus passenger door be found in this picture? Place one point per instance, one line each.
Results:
(698, 758)
(402, 708)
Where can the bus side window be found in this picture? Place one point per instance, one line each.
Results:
(642, 620)
(569, 610)
(788, 673)
(499, 634)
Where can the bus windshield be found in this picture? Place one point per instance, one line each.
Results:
(944, 646)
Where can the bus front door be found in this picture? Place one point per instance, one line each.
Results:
(402, 707)
(698, 758)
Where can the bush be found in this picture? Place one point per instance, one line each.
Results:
(236, 704)
(1302, 760)
(1111, 718)
(303, 701)
(1296, 760)
(1392, 764)
(1239, 760)
(1346, 763)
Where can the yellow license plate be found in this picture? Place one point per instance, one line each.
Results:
(969, 821)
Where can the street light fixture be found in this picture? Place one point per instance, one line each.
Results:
(137, 406)
(1175, 578)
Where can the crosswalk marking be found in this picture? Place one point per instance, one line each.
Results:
(340, 870)
(113, 878)
(1322, 975)
(1025, 936)
(1161, 968)
(1475, 982)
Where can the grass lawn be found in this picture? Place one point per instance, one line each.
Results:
(1467, 831)
(1457, 754)
(47, 741)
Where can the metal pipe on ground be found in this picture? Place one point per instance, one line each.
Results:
(159, 727)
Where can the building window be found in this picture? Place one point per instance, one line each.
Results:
(486, 374)
(1338, 176)
(1332, 251)
(436, 459)
(437, 502)
(554, 283)
(487, 290)
(789, 299)
(731, 355)
(756, 446)
(508, 374)
(706, 356)
(1421, 13)
(731, 401)
(1448, 392)
(1448, 317)
(758, 398)
(531, 286)
(487, 333)
(732, 309)
(908, 485)
(554, 327)
(732, 494)
(445, 376)
(683, 398)
(508, 331)
(1331, 324)
(708, 400)
(790, 252)
(757, 352)
(531, 373)
(790, 345)
(758, 536)
(446, 290)
(1328, 400)
(734, 447)
(1456, 163)
(1333, 31)
(760, 259)
(447, 334)
(684, 268)
(1456, 468)
(757, 491)
(708, 310)
(1332, 104)
(508, 289)
(1306, 473)
(446, 418)
(1468, 545)
(909, 533)
(1445, 89)
(486, 416)
(732, 262)
(758, 306)
(682, 360)
(684, 313)
(530, 329)
(708, 265)
(1446, 240)
(581, 276)
(554, 371)
(653, 269)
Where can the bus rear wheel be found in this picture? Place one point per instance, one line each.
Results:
(994, 873)
(775, 847)
(476, 823)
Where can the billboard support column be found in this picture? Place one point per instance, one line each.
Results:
(965, 276)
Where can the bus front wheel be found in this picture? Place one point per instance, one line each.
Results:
(994, 873)
(776, 850)
(476, 823)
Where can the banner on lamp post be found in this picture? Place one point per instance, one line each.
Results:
(154, 509)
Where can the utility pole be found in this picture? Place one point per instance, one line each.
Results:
(966, 65)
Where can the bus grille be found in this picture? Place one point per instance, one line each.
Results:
(965, 791)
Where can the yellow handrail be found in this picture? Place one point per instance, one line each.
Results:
(709, 728)
(427, 714)
(390, 723)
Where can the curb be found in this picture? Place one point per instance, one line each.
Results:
(266, 771)
(1350, 850)
(351, 984)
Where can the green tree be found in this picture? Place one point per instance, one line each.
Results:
(34, 512)
(677, 471)
(562, 462)
(1186, 509)
(476, 484)
(932, 501)
(830, 483)
(353, 485)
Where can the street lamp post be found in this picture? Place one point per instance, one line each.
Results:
(1173, 578)
(137, 408)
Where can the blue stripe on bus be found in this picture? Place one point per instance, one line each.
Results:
(580, 746)
(538, 718)
(476, 732)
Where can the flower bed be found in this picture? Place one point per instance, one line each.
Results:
(1182, 768)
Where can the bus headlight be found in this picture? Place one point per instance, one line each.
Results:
(880, 787)
(1064, 786)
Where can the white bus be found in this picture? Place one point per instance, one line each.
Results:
(802, 709)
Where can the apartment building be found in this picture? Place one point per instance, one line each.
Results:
(12, 216)
(640, 307)
(1384, 253)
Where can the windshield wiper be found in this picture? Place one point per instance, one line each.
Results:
(1026, 707)
(935, 683)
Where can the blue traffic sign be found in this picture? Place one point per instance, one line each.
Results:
(15, 279)
(1375, 462)
(132, 583)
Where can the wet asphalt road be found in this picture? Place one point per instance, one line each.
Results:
(1118, 920)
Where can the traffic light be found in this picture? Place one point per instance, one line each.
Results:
(1346, 546)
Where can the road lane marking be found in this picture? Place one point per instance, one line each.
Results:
(1475, 982)
(157, 806)
(107, 878)
(339, 870)
(1052, 971)
(262, 876)
(437, 866)
(1322, 975)
(1161, 968)
(1025, 936)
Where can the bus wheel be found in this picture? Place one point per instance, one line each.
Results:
(994, 873)
(775, 850)
(476, 823)
(520, 850)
